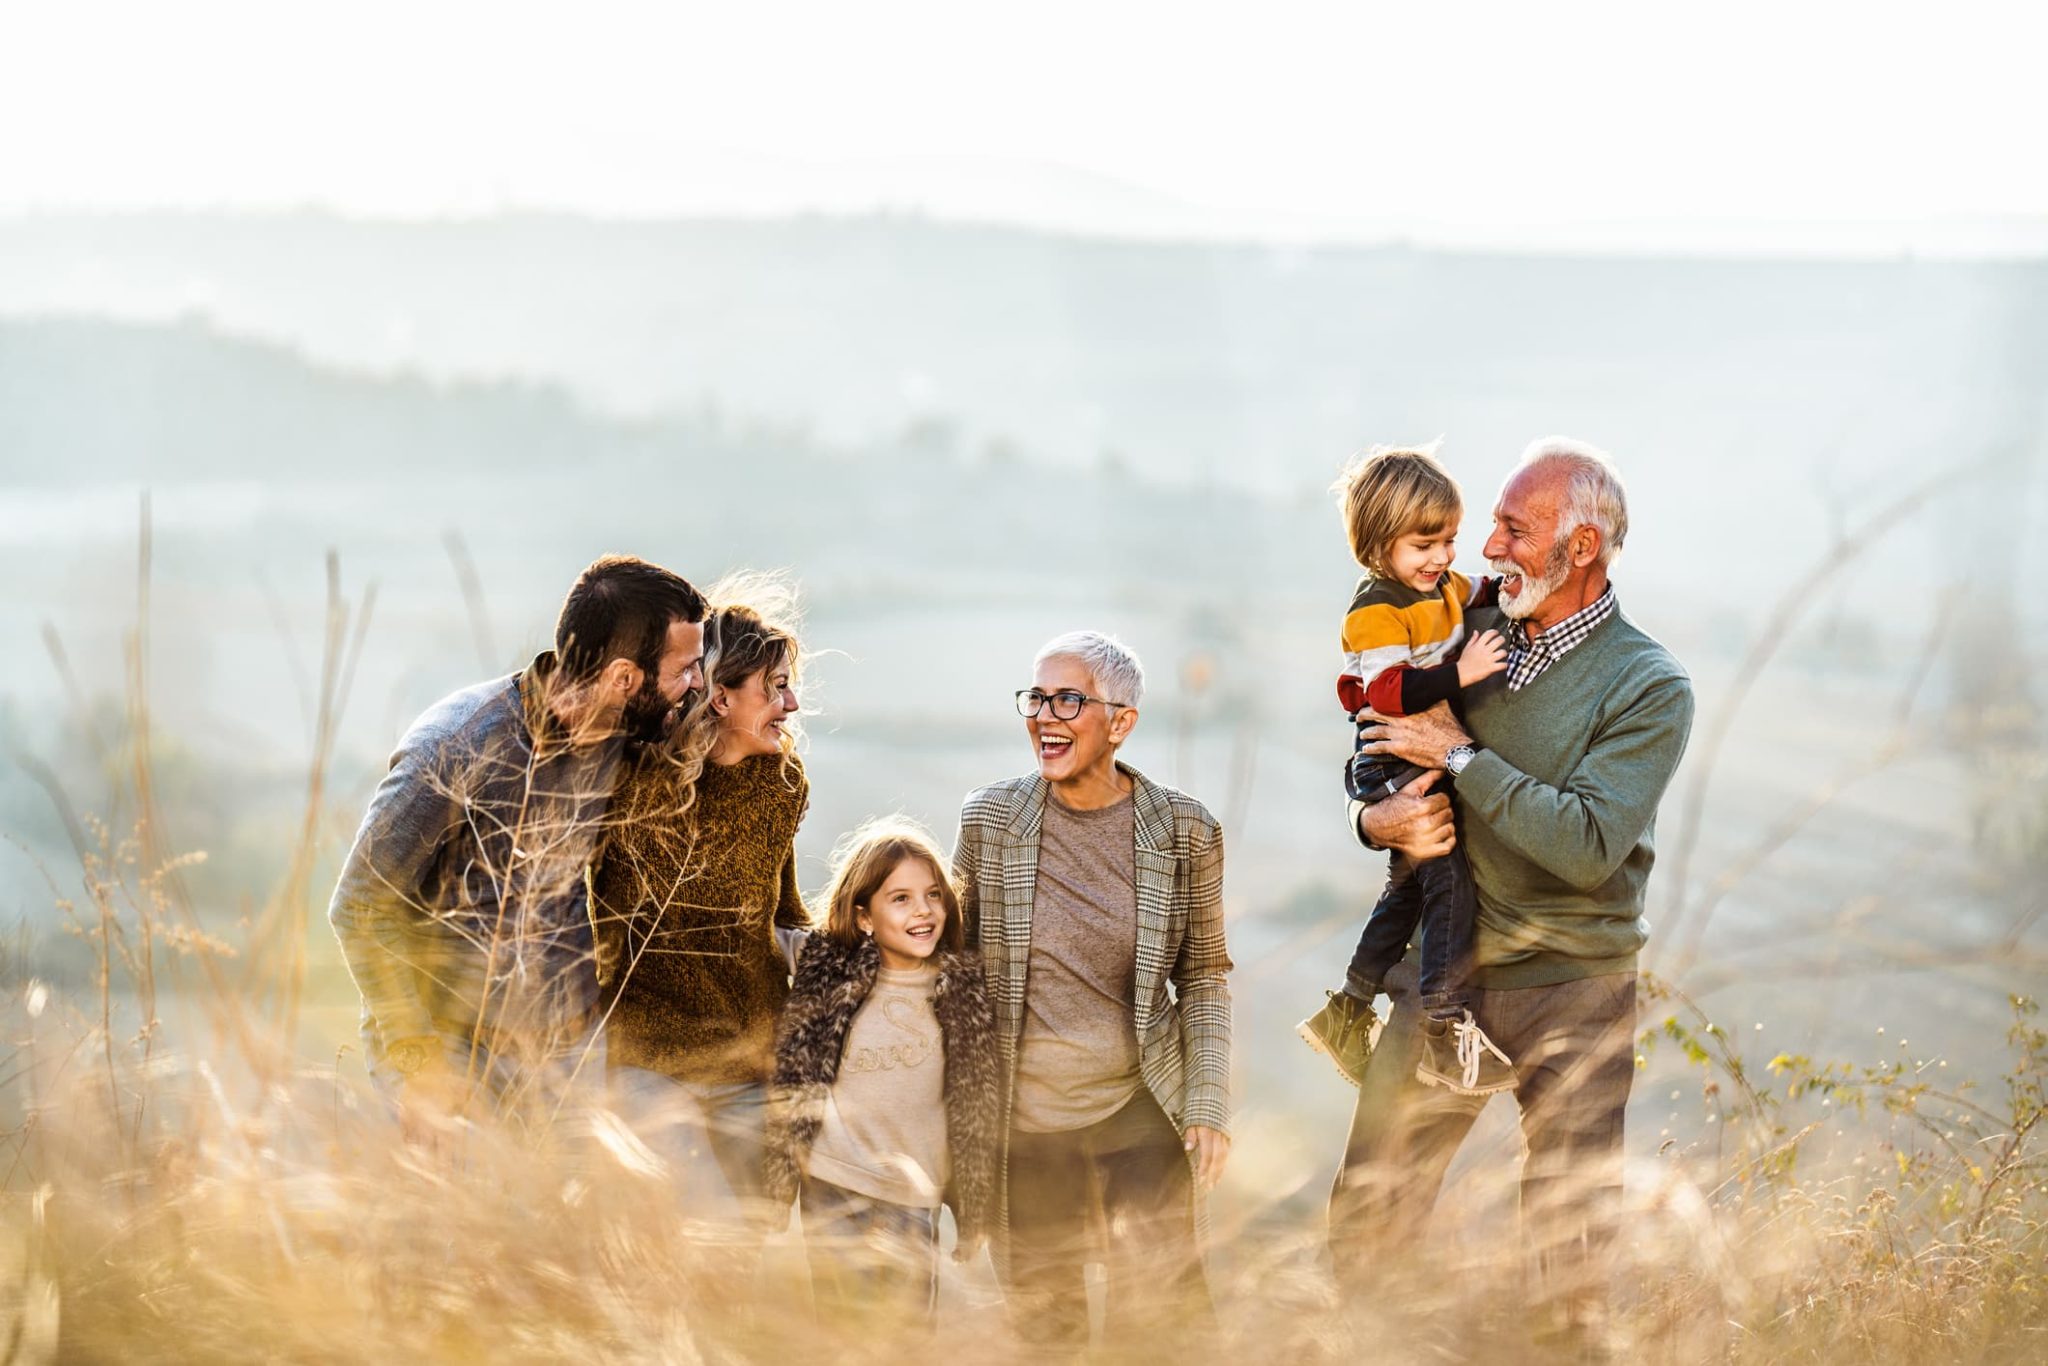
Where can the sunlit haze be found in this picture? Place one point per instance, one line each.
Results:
(1602, 126)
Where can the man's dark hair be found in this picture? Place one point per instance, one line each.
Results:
(621, 607)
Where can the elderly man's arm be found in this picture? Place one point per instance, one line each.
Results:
(1414, 821)
(1201, 986)
(1581, 832)
(376, 899)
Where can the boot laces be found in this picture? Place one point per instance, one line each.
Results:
(1473, 1045)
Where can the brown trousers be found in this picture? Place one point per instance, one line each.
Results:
(1118, 1191)
(1573, 1046)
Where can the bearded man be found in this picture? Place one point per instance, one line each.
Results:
(1559, 767)
(462, 908)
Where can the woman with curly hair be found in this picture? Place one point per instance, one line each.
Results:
(698, 874)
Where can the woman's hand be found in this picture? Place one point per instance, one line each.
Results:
(1211, 1148)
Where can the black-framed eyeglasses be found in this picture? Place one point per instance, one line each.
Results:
(1066, 704)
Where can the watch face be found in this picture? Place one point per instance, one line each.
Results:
(407, 1058)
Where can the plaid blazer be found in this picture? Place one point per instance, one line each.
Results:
(1183, 1034)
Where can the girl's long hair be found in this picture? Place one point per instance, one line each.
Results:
(863, 862)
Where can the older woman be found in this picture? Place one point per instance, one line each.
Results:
(1096, 896)
(699, 873)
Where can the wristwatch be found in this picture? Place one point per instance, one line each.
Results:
(1456, 757)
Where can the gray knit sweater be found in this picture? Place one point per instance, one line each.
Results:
(1558, 809)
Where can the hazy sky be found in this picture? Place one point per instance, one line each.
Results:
(1833, 124)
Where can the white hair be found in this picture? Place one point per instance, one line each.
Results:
(1593, 495)
(1118, 675)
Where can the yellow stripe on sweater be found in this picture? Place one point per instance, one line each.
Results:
(1422, 628)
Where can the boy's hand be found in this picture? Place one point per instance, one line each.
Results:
(1485, 655)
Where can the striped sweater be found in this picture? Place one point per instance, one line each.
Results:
(1401, 646)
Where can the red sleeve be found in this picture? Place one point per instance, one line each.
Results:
(1404, 690)
(1351, 693)
(1384, 696)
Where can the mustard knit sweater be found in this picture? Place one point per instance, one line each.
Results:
(686, 947)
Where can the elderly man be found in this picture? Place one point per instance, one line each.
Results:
(1558, 769)
(1096, 897)
(462, 907)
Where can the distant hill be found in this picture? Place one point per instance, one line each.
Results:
(86, 402)
(1245, 364)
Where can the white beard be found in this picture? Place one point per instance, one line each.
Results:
(1535, 592)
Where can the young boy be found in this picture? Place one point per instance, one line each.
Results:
(1402, 643)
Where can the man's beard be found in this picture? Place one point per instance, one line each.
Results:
(1535, 592)
(648, 715)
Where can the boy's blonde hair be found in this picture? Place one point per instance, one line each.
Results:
(863, 862)
(1391, 492)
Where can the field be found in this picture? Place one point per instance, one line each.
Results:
(1835, 1139)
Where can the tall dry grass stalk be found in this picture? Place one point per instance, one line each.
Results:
(1686, 924)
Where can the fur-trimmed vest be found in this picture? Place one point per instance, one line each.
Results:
(832, 983)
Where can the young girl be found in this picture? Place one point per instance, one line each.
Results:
(885, 1096)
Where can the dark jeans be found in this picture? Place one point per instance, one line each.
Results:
(869, 1256)
(1119, 1191)
(1373, 778)
(1574, 1049)
(1436, 896)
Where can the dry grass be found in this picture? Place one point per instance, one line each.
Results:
(181, 1185)
(204, 1201)
(284, 1221)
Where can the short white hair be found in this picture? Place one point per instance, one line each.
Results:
(1118, 675)
(1593, 494)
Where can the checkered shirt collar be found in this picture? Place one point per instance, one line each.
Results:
(1529, 656)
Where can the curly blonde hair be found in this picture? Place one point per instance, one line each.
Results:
(750, 632)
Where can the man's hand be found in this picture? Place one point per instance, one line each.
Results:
(1414, 821)
(1485, 655)
(1211, 1148)
(1422, 739)
(431, 1102)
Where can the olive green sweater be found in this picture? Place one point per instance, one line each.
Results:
(1558, 808)
(685, 929)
